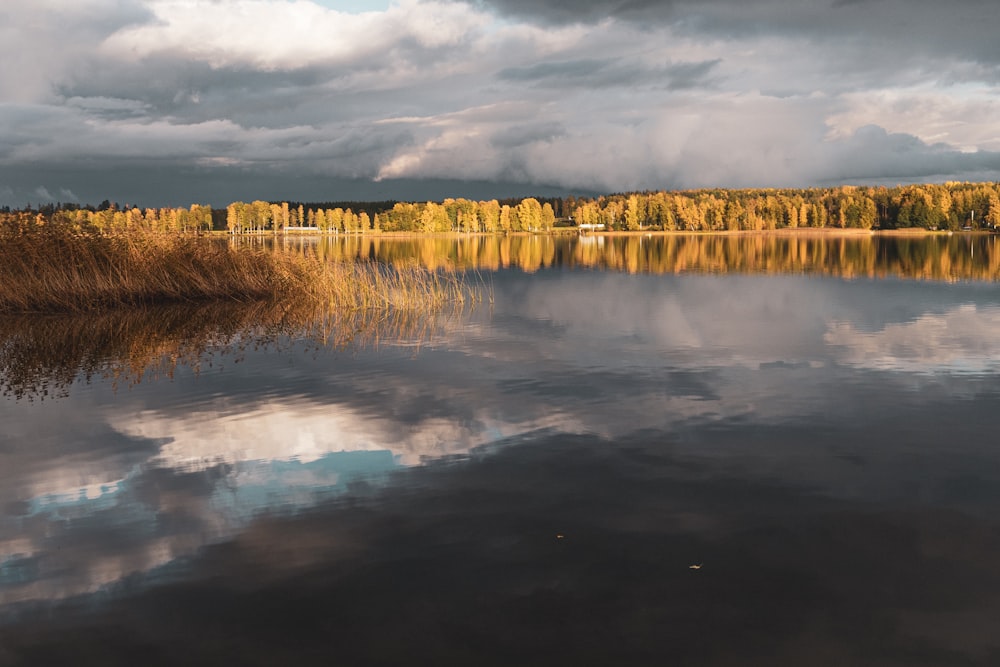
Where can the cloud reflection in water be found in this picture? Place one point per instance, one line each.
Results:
(770, 428)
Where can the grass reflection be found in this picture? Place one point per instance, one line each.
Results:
(43, 355)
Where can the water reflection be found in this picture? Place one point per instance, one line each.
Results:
(43, 355)
(533, 482)
(961, 339)
(933, 257)
(92, 458)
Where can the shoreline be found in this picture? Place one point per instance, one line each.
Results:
(570, 231)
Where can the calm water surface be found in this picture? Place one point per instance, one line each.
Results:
(717, 452)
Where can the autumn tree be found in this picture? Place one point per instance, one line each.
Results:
(529, 213)
(548, 217)
(489, 216)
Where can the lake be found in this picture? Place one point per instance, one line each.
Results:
(690, 450)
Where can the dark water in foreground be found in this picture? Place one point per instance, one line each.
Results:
(604, 467)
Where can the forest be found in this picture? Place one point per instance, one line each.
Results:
(947, 206)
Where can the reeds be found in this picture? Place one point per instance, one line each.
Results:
(76, 303)
(59, 268)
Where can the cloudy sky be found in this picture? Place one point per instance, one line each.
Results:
(170, 102)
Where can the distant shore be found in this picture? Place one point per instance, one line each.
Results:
(799, 231)
(572, 231)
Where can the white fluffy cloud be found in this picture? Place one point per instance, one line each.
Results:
(273, 34)
(964, 117)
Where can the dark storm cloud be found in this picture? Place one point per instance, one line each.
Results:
(884, 31)
(689, 75)
(582, 70)
(174, 85)
(519, 135)
(610, 73)
(585, 11)
(195, 91)
(175, 183)
(41, 40)
(874, 154)
(891, 18)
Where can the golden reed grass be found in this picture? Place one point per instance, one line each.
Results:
(78, 303)
(58, 268)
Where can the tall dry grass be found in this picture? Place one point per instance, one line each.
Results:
(58, 268)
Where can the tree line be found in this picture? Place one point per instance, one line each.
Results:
(932, 206)
(952, 206)
(197, 218)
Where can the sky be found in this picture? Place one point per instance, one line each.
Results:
(174, 102)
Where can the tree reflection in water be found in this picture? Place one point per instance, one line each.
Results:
(822, 448)
(853, 255)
